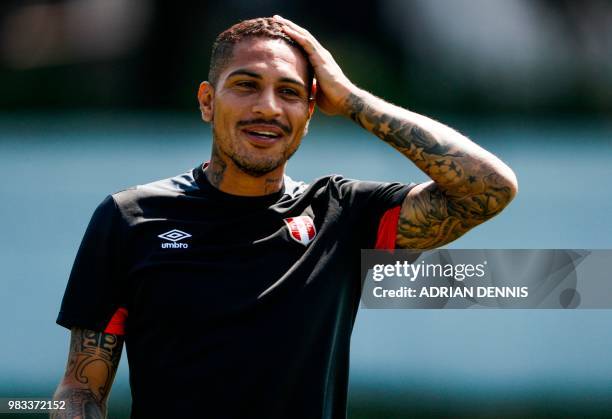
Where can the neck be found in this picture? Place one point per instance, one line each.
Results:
(228, 178)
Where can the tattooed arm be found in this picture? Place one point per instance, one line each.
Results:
(469, 185)
(91, 368)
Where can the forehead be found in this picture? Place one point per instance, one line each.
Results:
(267, 57)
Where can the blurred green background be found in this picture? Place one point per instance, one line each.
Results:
(99, 95)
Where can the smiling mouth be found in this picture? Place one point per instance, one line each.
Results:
(262, 134)
(262, 138)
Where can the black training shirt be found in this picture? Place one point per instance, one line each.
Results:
(236, 306)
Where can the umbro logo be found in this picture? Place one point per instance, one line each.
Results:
(173, 236)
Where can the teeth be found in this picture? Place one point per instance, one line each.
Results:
(271, 134)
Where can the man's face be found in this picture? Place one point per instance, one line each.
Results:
(259, 107)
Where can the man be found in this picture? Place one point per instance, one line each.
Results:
(234, 287)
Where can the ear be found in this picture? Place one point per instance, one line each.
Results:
(206, 94)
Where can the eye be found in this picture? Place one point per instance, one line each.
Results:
(246, 84)
(289, 91)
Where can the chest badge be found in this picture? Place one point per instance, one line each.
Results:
(301, 229)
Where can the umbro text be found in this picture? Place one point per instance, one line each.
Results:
(174, 245)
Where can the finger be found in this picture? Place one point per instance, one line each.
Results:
(315, 55)
(299, 30)
(300, 39)
(289, 23)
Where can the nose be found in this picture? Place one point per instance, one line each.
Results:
(267, 104)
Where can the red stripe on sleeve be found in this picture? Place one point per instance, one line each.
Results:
(387, 229)
(116, 325)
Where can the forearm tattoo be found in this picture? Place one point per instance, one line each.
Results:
(92, 364)
(80, 403)
(467, 189)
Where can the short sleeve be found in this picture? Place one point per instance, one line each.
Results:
(95, 288)
(369, 202)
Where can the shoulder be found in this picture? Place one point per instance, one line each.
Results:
(343, 187)
(331, 182)
(129, 201)
(177, 185)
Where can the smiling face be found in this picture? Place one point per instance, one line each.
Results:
(259, 108)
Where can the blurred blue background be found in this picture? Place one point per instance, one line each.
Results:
(99, 95)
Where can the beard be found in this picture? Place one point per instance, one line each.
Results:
(248, 162)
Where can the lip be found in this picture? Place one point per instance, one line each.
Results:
(261, 141)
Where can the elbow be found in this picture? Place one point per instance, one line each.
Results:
(511, 183)
(501, 186)
(506, 186)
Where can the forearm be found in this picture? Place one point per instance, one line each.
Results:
(81, 403)
(92, 365)
(457, 165)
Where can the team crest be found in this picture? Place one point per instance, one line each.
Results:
(301, 229)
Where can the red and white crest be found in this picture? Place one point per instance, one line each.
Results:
(301, 229)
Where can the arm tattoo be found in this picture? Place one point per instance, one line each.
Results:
(410, 139)
(94, 351)
(429, 219)
(92, 364)
(80, 403)
(468, 188)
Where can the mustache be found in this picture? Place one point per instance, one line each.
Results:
(286, 129)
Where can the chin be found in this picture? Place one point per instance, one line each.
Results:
(257, 168)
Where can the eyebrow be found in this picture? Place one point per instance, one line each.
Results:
(244, 72)
(293, 81)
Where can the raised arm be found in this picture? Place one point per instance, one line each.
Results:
(92, 364)
(469, 185)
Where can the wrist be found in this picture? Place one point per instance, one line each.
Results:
(354, 102)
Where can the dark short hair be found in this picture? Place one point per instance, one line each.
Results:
(263, 27)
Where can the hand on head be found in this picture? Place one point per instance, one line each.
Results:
(333, 87)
